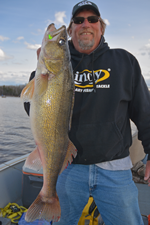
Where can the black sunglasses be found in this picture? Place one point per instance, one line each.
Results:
(91, 19)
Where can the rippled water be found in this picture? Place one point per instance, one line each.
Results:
(16, 138)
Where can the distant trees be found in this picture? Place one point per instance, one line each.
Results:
(11, 90)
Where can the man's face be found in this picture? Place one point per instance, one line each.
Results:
(86, 36)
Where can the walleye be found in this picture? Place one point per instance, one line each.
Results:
(51, 95)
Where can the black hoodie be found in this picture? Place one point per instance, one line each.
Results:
(109, 90)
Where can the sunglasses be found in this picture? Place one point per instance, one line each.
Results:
(80, 20)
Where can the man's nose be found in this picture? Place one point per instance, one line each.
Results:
(85, 23)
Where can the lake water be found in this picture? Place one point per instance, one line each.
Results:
(16, 138)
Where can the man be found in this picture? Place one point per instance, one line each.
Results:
(109, 90)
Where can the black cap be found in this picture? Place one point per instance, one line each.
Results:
(85, 5)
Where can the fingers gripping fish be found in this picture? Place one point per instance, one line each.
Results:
(51, 96)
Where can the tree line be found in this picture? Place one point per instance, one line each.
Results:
(11, 90)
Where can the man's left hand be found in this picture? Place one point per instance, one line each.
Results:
(147, 172)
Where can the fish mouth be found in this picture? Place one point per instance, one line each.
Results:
(49, 57)
(58, 31)
(55, 32)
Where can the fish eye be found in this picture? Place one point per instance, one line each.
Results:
(61, 41)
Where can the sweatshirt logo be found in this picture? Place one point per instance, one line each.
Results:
(84, 80)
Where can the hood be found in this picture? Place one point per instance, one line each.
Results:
(77, 58)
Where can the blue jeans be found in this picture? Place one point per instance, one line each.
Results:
(114, 192)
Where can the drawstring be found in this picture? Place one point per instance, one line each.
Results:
(94, 85)
(78, 64)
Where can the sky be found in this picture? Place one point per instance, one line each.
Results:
(23, 23)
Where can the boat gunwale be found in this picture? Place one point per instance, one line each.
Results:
(13, 162)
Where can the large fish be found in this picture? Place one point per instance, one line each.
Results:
(51, 96)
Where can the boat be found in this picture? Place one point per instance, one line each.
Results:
(11, 175)
(11, 181)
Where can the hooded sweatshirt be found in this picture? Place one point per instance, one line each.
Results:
(109, 91)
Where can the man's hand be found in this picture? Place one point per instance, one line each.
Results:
(147, 172)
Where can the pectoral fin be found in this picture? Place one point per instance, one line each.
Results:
(28, 91)
(71, 152)
(41, 81)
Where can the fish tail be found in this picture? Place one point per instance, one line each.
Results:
(44, 208)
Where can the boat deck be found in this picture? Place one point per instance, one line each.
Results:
(11, 186)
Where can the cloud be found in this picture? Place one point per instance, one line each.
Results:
(143, 53)
(146, 75)
(147, 45)
(31, 46)
(39, 32)
(3, 56)
(145, 49)
(2, 38)
(59, 18)
(20, 38)
(107, 22)
(14, 78)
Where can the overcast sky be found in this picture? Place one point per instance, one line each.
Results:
(23, 22)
